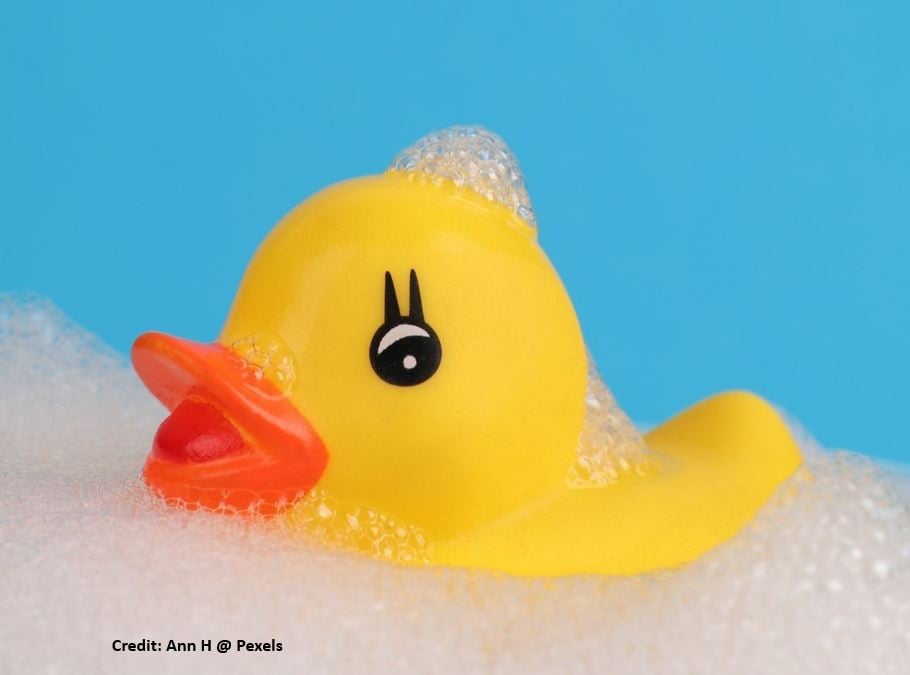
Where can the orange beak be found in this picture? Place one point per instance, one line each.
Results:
(232, 441)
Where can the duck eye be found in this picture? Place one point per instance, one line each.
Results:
(405, 350)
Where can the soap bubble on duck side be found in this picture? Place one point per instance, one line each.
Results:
(609, 445)
(819, 582)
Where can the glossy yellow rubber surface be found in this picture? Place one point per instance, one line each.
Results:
(722, 460)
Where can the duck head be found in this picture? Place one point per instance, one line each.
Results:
(399, 340)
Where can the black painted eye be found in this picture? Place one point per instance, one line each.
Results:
(405, 350)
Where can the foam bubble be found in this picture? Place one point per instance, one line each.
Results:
(609, 445)
(472, 157)
(820, 582)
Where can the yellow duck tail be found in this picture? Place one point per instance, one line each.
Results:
(723, 459)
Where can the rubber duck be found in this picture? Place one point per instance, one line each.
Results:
(402, 372)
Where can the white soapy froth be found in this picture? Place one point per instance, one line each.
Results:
(819, 583)
(609, 444)
(472, 157)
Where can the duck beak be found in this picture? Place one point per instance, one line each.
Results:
(233, 441)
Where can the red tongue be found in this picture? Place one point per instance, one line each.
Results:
(196, 432)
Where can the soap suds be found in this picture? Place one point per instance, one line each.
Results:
(819, 583)
(327, 521)
(609, 445)
(264, 356)
(471, 157)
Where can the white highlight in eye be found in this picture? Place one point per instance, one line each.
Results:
(399, 332)
(409, 362)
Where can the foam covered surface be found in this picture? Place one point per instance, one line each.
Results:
(471, 157)
(820, 583)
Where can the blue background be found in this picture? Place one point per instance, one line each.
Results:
(723, 189)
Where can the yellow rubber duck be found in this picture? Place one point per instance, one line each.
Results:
(402, 372)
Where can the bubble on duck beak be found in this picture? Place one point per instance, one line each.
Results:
(471, 157)
(265, 356)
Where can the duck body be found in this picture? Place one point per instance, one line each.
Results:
(402, 361)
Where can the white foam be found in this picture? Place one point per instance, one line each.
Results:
(819, 583)
(471, 157)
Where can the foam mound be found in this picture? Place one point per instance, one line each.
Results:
(819, 583)
(472, 157)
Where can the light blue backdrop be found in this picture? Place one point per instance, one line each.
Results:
(725, 189)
